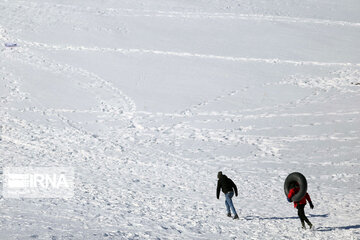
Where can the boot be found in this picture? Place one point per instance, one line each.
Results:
(303, 225)
(229, 215)
(310, 225)
(236, 217)
(308, 222)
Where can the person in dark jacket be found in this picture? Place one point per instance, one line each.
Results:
(300, 205)
(228, 187)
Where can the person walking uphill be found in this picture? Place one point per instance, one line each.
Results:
(301, 205)
(228, 187)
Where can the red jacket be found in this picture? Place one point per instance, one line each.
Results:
(293, 191)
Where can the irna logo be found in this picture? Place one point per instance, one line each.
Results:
(38, 182)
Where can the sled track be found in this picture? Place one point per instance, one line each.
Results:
(127, 12)
(226, 16)
(131, 51)
(127, 109)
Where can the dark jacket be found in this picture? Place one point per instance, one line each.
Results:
(226, 185)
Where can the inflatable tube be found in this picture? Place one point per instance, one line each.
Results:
(290, 182)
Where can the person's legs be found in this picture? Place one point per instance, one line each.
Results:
(303, 218)
(229, 202)
(227, 207)
(301, 213)
(306, 219)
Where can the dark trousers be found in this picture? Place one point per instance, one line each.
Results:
(301, 214)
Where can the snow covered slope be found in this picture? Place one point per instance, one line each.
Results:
(148, 100)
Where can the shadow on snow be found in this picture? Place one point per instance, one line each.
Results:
(282, 218)
(325, 229)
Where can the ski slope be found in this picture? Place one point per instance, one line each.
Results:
(148, 100)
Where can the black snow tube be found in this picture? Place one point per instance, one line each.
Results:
(290, 183)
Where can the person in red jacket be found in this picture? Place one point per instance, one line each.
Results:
(300, 205)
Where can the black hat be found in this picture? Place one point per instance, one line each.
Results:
(219, 174)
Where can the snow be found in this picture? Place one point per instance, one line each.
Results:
(148, 100)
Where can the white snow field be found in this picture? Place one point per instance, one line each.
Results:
(148, 99)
